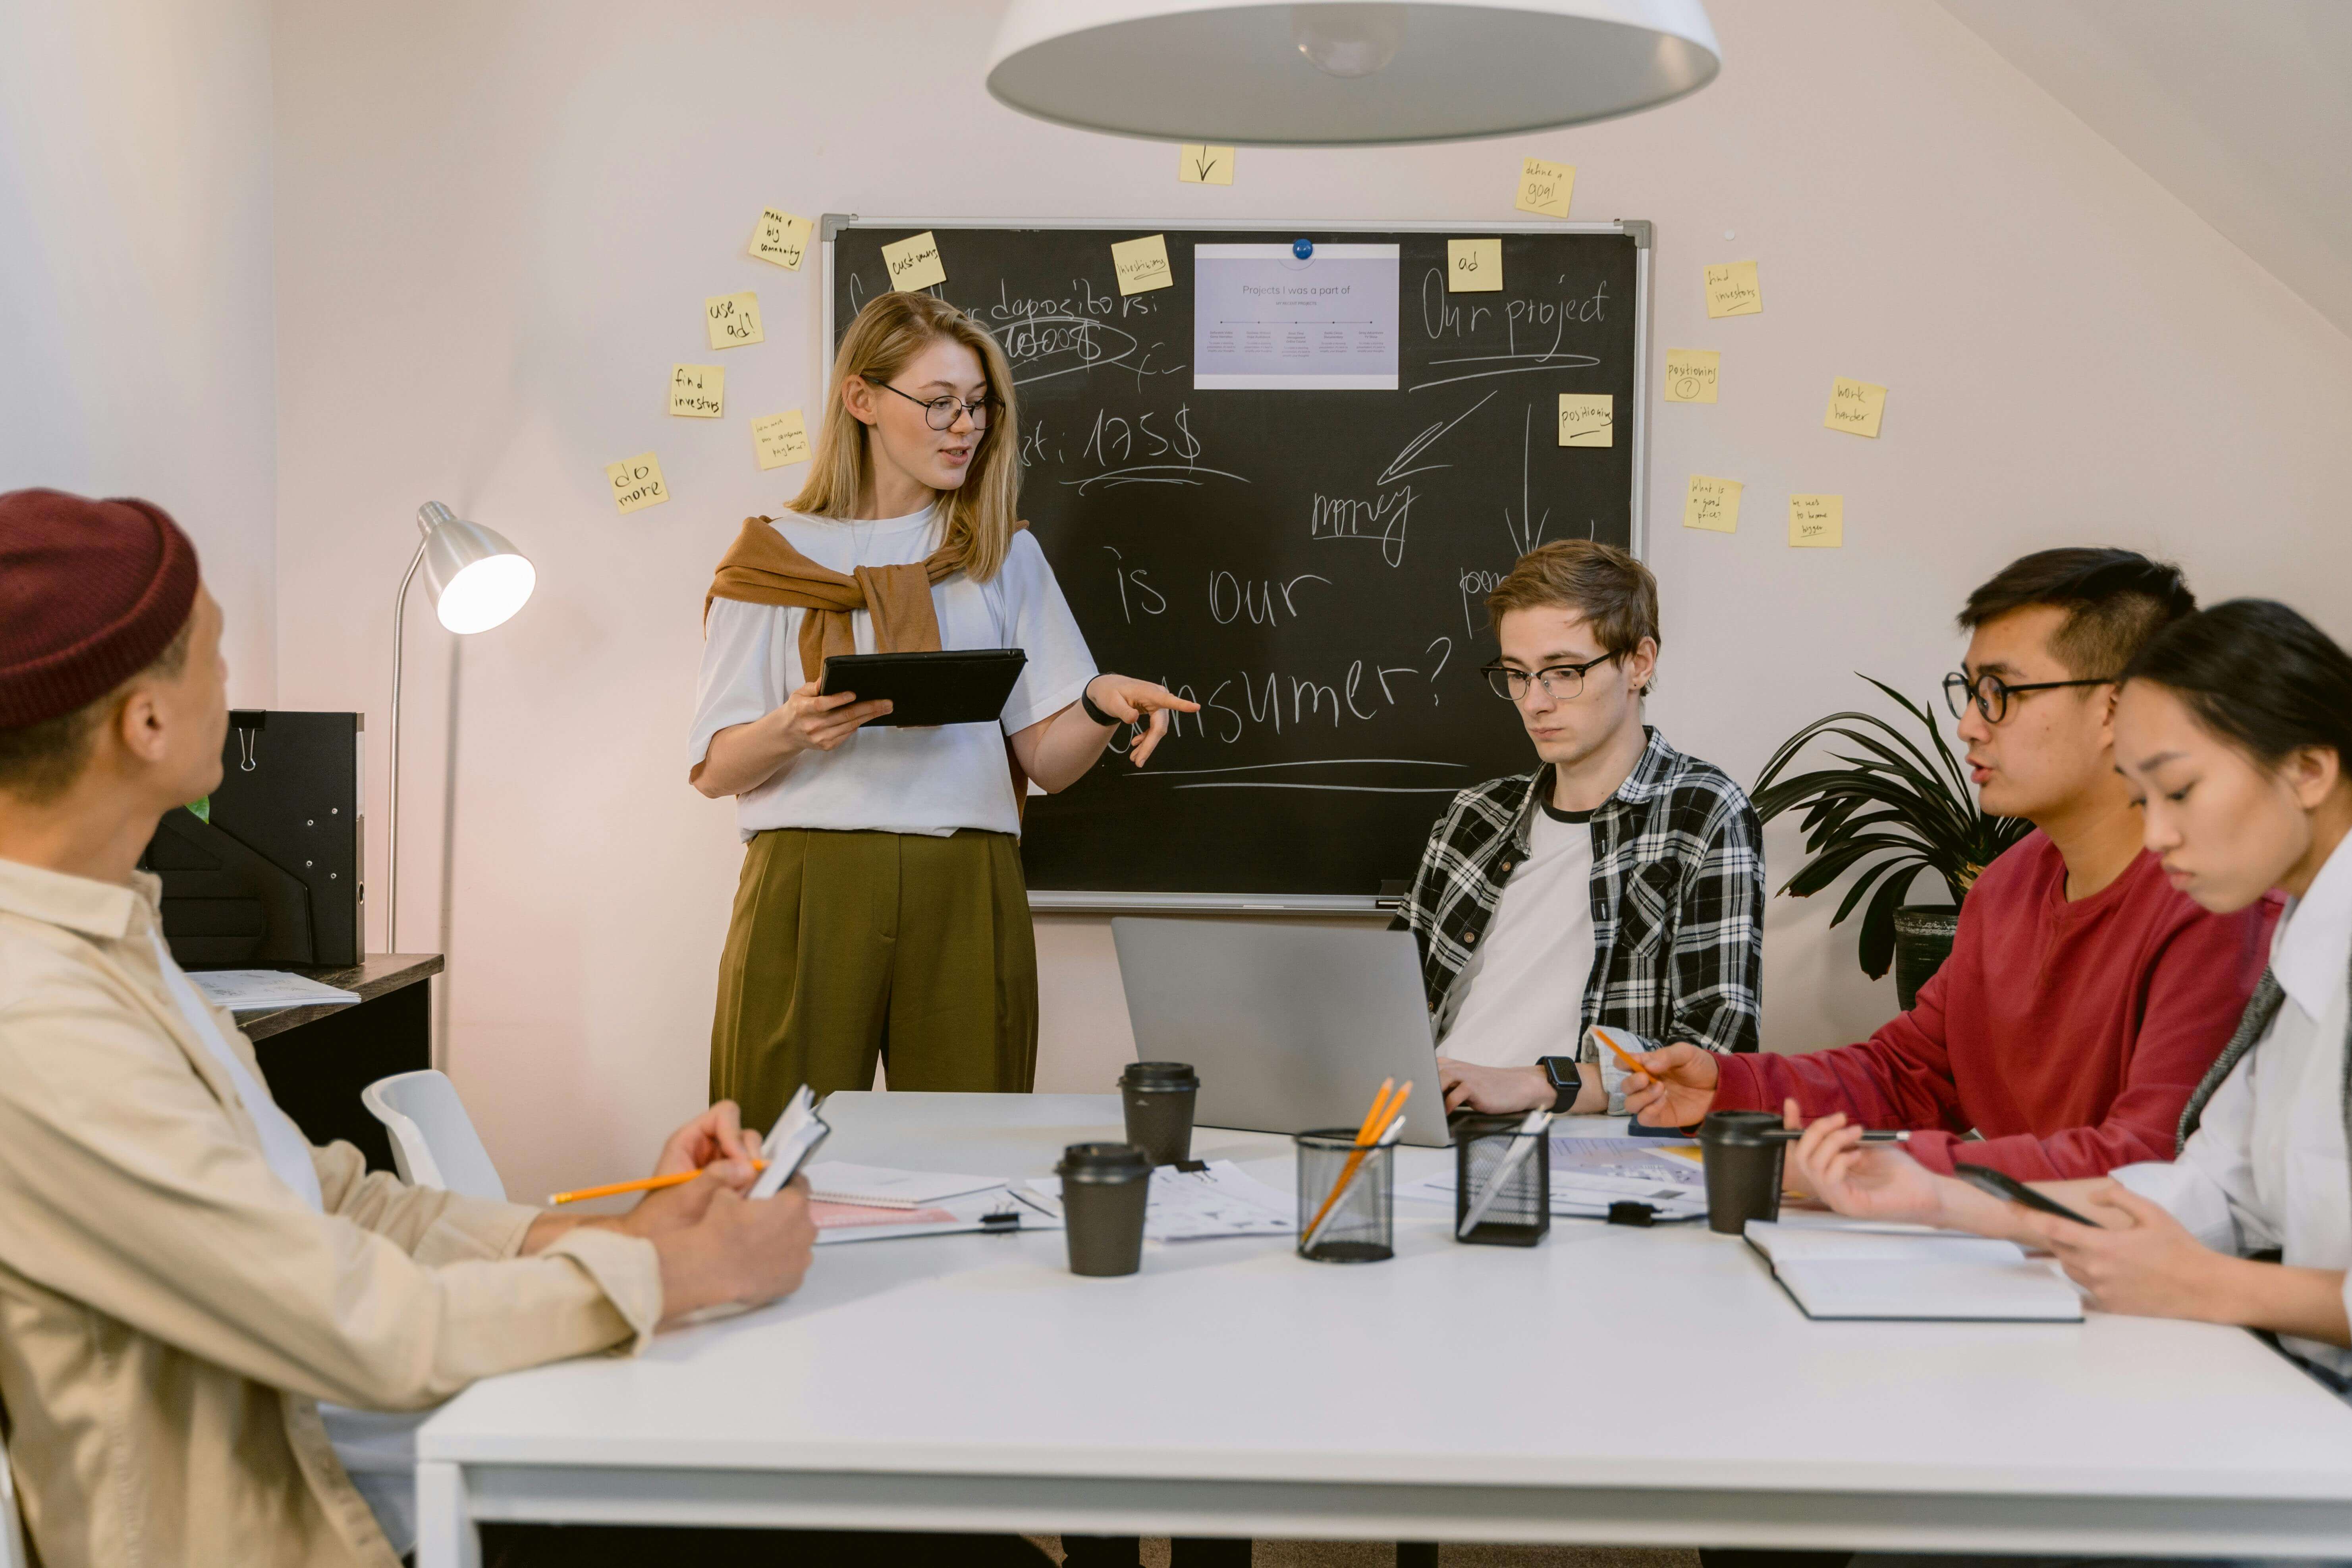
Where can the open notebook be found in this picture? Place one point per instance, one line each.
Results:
(1856, 1271)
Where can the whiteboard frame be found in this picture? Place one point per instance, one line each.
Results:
(1056, 901)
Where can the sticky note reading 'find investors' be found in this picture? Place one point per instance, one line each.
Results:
(1690, 375)
(637, 482)
(733, 318)
(780, 439)
(781, 238)
(1855, 407)
(1545, 187)
(1473, 266)
(1203, 165)
(1142, 264)
(1587, 419)
(914, 263)
(1732, 291)
(697, 390)
(1713, 504)
(1817, 522)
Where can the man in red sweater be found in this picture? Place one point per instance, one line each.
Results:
(2085, 996)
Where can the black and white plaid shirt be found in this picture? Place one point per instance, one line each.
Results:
(1677, 898)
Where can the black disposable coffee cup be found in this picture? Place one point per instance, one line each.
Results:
(1743, 1168)
(1157, 1097)
(1103, 1188)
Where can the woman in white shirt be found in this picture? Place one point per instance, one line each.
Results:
(2234, 727)
(881, 910)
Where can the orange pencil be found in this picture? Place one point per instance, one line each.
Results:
(1619, 1052)
(1365, 1138)
(649, 1184)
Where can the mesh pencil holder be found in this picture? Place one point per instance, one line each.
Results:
(1351, 1192)
(1520, 1214)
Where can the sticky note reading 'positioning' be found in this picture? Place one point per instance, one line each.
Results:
(780, 439)
(1817, 522)
(637, 482)
(1202, 165)
(1690, 375)
(1545, 187)
(1713, 504)
(1142, 264)
(781, 238)
(914, 263)
(733, 318)
(696, 390)
(1855, 407)
(1587, 419)
(1473, 266)
(1732, 291)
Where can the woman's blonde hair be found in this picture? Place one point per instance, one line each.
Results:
(888, 332)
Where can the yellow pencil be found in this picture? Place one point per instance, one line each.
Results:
(1619, 1052)
(649, 1184)
(1365, 1139)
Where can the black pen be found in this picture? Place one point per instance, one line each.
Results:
(1869, 1135)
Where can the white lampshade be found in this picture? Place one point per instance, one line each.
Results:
(1327, 73)
(476, 578)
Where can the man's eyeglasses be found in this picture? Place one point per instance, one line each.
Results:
(1991, 693)
(940, 412)
(1561, 682)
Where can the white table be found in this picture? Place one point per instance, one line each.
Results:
(972, 1383)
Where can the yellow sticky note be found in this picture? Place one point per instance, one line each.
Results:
(914, 263)
(780, 439)
(1712, 504)
(1204, 165)
(637, 482)
(1732, 291)
(1142, 264)
(733, 319)
(1473, 266)
(781, 238)
(1690, 375)
(1545, 187)
(697, 390)
(1587, 419)
(1817, 522)
(1855, 407)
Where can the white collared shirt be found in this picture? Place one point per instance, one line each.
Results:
(2267, 1166)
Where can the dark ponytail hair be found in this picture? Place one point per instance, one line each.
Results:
(2259, 675)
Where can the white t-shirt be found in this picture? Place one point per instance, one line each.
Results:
(1522, 995)
(893, 781)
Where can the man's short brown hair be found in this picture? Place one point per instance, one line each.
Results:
(1614, 593)
(2115, 601)
(40, 761)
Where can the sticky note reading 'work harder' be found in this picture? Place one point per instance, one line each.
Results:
(1204, 165)
(697, 390)
(733, 318)
(637, 482)
(1732, 291)
(1473, 266)
(1817, 522)
(1855, 407)
(781, 238)
(914, 263)
(1690, 375)
(1587, 419)
(1712, 504)
(1142, 264)
(780, 438)
(1545, 187)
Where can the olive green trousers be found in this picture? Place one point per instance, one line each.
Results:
(849, 946)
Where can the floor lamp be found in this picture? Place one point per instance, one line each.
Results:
(476, 581)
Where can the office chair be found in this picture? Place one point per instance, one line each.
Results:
(433, 1139)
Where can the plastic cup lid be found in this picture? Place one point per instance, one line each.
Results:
(1103, 1163)
(1161, 1075)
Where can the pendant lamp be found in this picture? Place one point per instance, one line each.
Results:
(1331, 73)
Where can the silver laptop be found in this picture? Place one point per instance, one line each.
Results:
(1291, 1027)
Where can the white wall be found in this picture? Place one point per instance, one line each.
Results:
(135, 306)
(496, 223)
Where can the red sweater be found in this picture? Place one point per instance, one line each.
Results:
(2069, 1034)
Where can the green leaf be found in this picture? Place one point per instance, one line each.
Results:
(201, 810)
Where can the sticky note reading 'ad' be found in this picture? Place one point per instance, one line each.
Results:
(1587, 419)
(780, 439)
(1545, 187)
(1817, 522)
(1690, 375)
(733, 318)
(1203, 165)
(781, 238)
(637, 482)
(696, 390)
(914, 263)
(1473, 266)
(1855, 407)
(1732, 291)
(1713, 504)
(1142, 264)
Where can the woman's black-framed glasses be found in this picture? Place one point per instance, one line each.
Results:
(940, 412)
(1561, 682)
(1991, 693)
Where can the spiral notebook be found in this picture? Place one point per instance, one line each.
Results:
(1864, 1272)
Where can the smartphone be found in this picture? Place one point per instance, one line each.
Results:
(2001, 1184)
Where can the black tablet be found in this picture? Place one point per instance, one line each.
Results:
(957, 686)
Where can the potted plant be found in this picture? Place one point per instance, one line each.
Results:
(1894, 810)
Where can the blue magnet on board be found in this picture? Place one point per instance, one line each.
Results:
(1302, 248)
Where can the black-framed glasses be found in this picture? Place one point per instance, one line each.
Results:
(1561, 682)
(1991, 693)
(940, 412)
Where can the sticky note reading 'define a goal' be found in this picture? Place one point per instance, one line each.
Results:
(780, 439)
(1142, 264)
(914, 263)
(1855, 407)
(1545, 187)
(1473, 266)
(733, 319)
(1587, 419)
(1204, 165)
(1817, 522)
(637, 482)
(1732, 289)
(1712, 504)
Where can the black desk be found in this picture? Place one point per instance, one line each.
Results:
(318, 1058)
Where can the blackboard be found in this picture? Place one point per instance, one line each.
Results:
(1311, 565)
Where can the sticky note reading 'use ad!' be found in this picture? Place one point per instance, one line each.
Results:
(781, 238)
(1142, 264)
(780, 439)
(1473, 266)
(1713, 504)
(637, 482)
(1545, 187)
(914, 263)
(697, 390)
(1690, 375)
(1732, 291)
(1587, 419)
(733, 318)
(1855, 407)
(1204, 165)
(1817, 522)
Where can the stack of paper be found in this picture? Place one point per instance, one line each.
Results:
(1863, 1271)
(880, 1187)
(250, 990)
(1589, 1174)
(1187, 1205)
(837, 1223)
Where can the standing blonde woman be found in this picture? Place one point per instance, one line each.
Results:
(881, 910)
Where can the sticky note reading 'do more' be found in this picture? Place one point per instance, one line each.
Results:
(1199, 165)
(1473, 266)
(1587, 419)
(1732, 291)
(1816, 523)
(1855, 407)
(733, 319)
(1713, 504)
(914, 263)
(781, 238)
(637, 482)
(697, 391)
(1142, 264)
(1690, 374)
(1545, 187)
(780, 439)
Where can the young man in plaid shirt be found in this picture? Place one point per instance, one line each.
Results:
(1621, 883)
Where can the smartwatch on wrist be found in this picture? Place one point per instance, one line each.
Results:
(1567, 1082)
(1086, 702)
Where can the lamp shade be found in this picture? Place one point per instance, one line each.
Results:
(476, 578)
(1327, 73)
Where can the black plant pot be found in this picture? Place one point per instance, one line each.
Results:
(1922, 940)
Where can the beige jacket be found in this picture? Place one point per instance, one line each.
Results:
(171, 1313)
